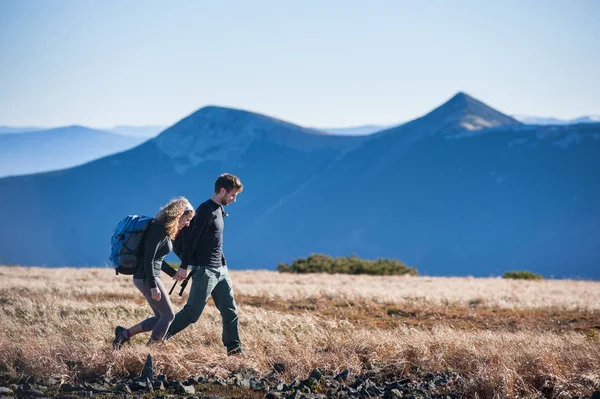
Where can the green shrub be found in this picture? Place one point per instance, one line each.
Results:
(522, 275)
(318, 263)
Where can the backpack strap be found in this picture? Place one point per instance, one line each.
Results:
(140, 249)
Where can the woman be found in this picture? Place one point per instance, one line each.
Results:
(157, 244)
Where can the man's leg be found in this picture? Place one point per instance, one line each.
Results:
(225, 302)
(203, 282)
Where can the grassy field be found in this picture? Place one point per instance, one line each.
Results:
(506, 338)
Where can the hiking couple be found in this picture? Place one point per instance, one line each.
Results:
(200, 251)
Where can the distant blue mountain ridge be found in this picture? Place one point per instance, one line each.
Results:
(462, 190)
(52, 149)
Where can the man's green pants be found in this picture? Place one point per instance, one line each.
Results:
(206, 282)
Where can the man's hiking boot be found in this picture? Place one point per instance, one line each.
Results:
(119, 338)
(235, 351)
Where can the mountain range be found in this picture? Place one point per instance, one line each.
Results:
(33, 151)
(462, 190)
(355, 130)
(538, 120)
(137, 131)
(529, 120)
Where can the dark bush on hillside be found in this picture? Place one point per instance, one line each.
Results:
(522, 275)
(318, 263)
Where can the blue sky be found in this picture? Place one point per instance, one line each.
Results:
(315, 63)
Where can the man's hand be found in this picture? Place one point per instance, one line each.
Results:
(180, 274)
(155, 294)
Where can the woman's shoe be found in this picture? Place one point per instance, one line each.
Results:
(119, 338)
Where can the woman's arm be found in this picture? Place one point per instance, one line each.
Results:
(151, 246)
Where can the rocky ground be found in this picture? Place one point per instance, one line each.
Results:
(242, 384)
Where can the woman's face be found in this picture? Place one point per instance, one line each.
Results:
(184, 220)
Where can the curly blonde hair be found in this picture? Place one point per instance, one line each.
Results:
(170, 214)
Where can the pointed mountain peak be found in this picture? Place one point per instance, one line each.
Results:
(461, 98)
(467, 112)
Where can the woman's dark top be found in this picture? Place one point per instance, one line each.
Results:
(156, 246)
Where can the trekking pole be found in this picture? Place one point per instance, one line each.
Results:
(185, 282)
(173, 287)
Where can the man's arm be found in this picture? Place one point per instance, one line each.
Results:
(165, 267)
(203, 217)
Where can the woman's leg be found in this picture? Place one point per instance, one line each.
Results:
(123, 334)
(165, 311)
(149, 323)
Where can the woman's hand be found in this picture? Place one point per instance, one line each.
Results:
(155, 294)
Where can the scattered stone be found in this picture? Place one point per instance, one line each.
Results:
(279, 367)
(220, 382)
(142, 384)
(29, 391)
(258, 385)
(243, 383)
(184, 389)
(343, 376)
(295, 395)
(292, 385)
(398, 384)
(31, 380)
(316, 374)
(71, 388)
(202, 379)
(318, 384)
(305, 389)
(123, 388)
(148, 368)
(191, 381)
(312, 383)
(158, 386)
(189, 390)
(53, 381)
(107, 380)
(357, 384)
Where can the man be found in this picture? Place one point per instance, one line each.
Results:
(202, 251)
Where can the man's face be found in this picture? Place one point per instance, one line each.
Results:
(227, 197)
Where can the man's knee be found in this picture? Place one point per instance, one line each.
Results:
(229, 314)
(193, 313)
(169, 316)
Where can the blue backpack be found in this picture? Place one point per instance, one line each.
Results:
(125, 243)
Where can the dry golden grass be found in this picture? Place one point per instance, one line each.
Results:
(505, 338)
